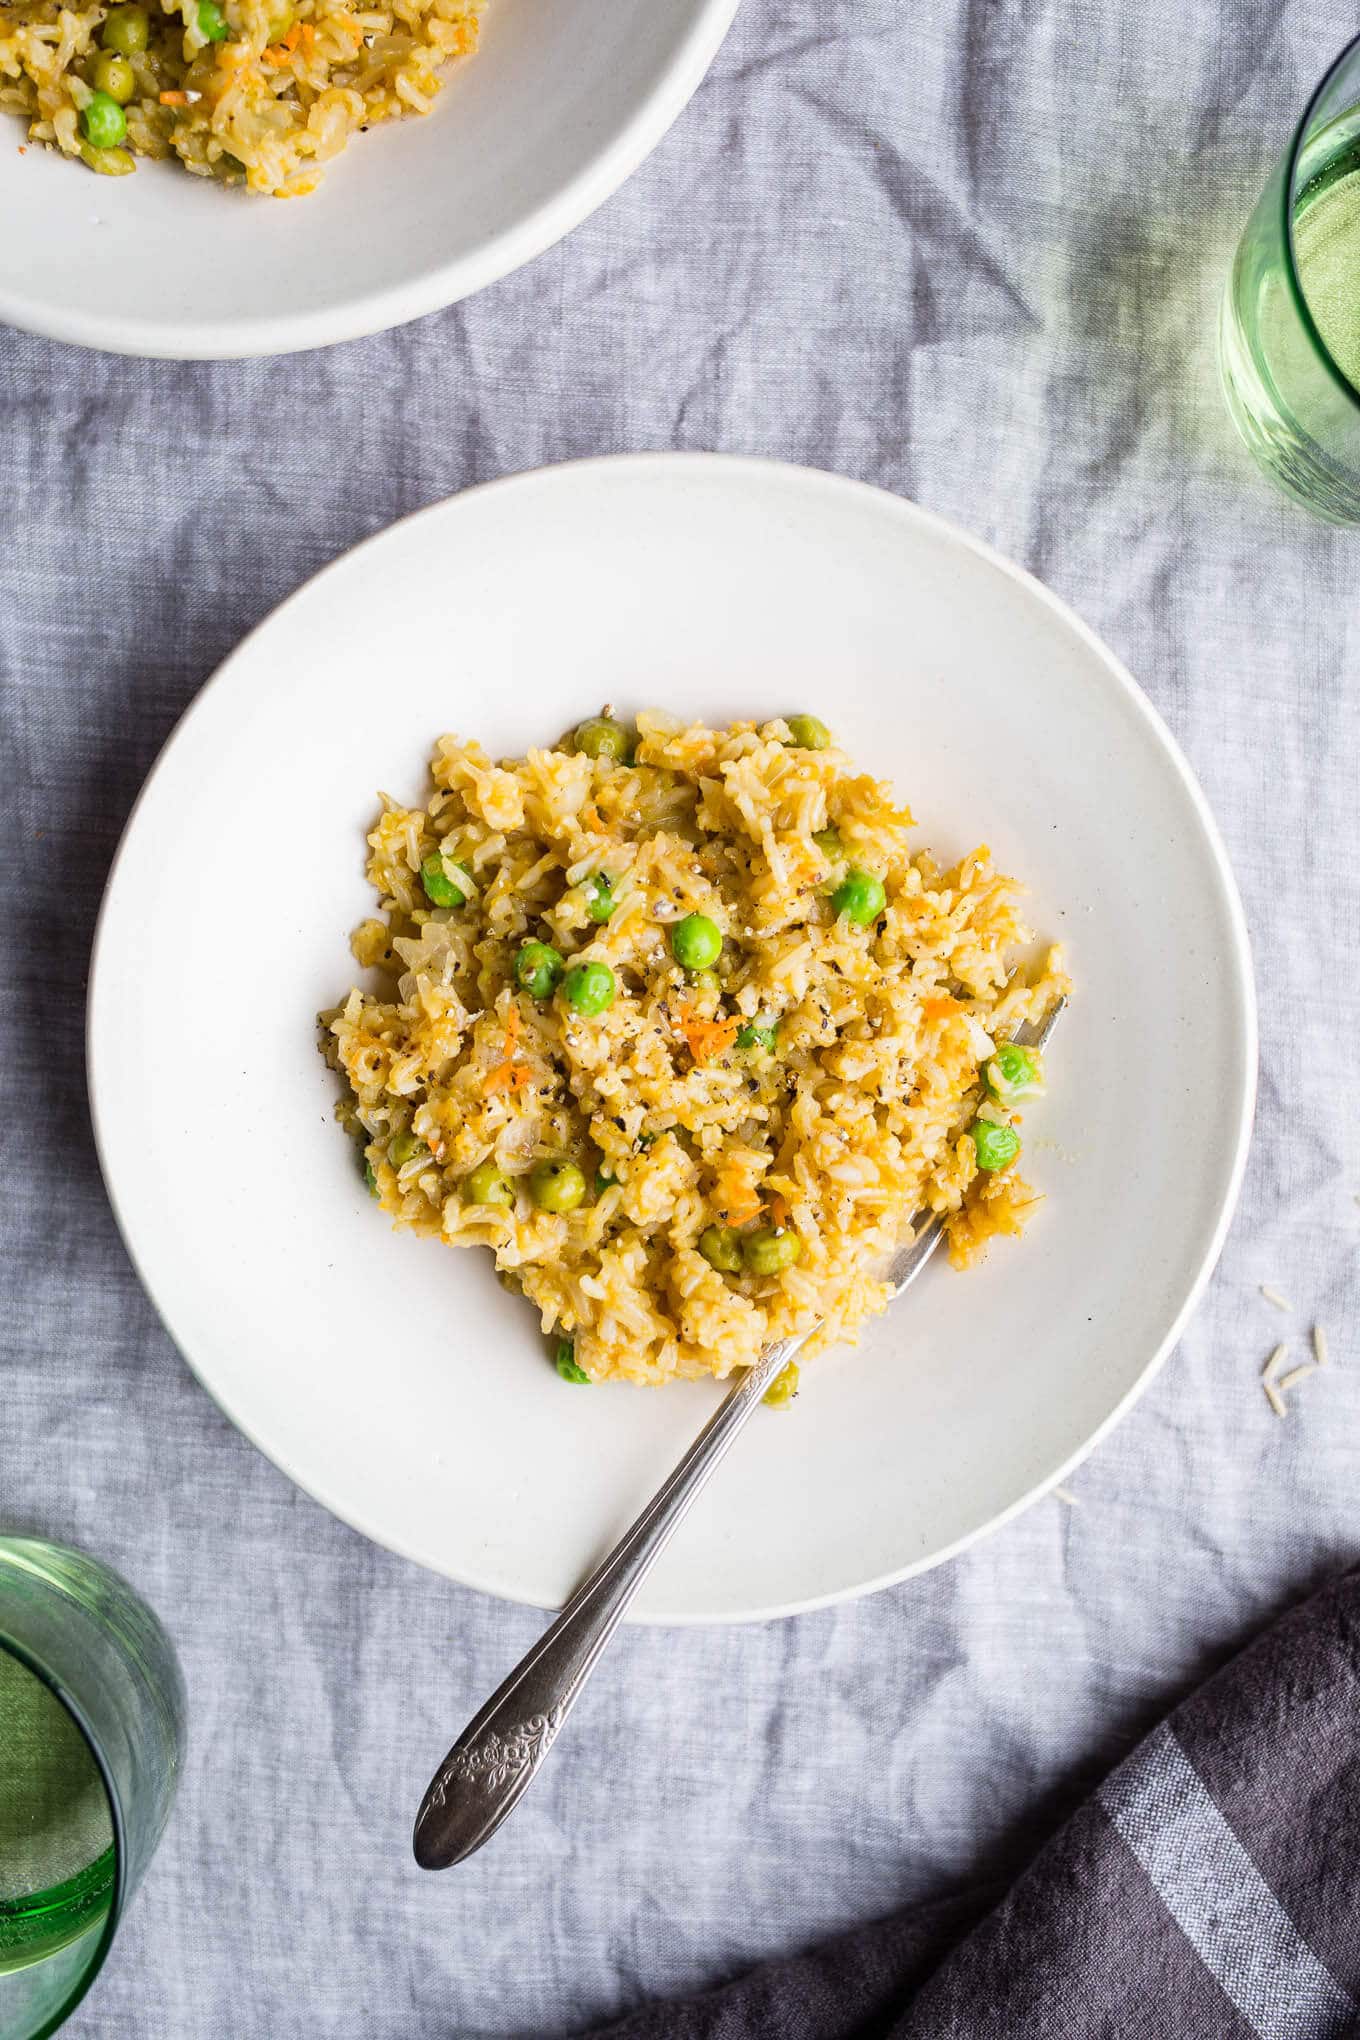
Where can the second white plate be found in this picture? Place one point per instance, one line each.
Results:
(395, 1380)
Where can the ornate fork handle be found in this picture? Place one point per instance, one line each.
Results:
(495, 1758)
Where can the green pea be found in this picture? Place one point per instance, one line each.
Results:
(860, 897)
(770, 1249)
(486, 1185)
(829, 842)
(113, 75)
(538, 968)
(589, 988)
(599, 736)
(997, 1144)
(556, 1185)
(370, 1176)
(808, 733)
(212, 22)
(696, 942)
(127, 30)
(783, 1388)
(402, 1147)
(599, 892)
(440, 889)
(605, 1179)
(720, 1246)
(565, 1361)
(1013, 1073)
(755, 1035)
(105, 162)
(104, 123)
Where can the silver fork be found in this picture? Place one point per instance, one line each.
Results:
(496, 1757)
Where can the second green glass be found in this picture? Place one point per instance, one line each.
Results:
(1289, 335)
(91, 1739)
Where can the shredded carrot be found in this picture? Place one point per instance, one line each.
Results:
(308, 34)
(706, 1038)
(735, 1196)
(508, 1076)
(293, 37)
(276, 56)
(779, 1210)
(174, 98)
(937, 1009)
(739, 1213)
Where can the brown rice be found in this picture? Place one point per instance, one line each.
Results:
(265, 106)
(853, 1123)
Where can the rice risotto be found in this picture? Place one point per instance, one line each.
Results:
(258, 93)
(679, 1025)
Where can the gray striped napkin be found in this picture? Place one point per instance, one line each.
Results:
(1209, 1891)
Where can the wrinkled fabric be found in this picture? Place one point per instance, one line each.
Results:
(1207, 1887)
(967, 249)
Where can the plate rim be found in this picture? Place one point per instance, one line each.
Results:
(1244, 1002)
(608, 167)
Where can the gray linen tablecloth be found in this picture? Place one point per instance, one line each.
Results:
(970, 250)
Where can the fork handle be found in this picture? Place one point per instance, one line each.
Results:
(495, 1758)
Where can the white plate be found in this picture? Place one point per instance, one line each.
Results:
(559, 105)
(394, 1379)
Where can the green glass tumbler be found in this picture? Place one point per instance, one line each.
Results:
(91, 1742)
(1289, 333)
